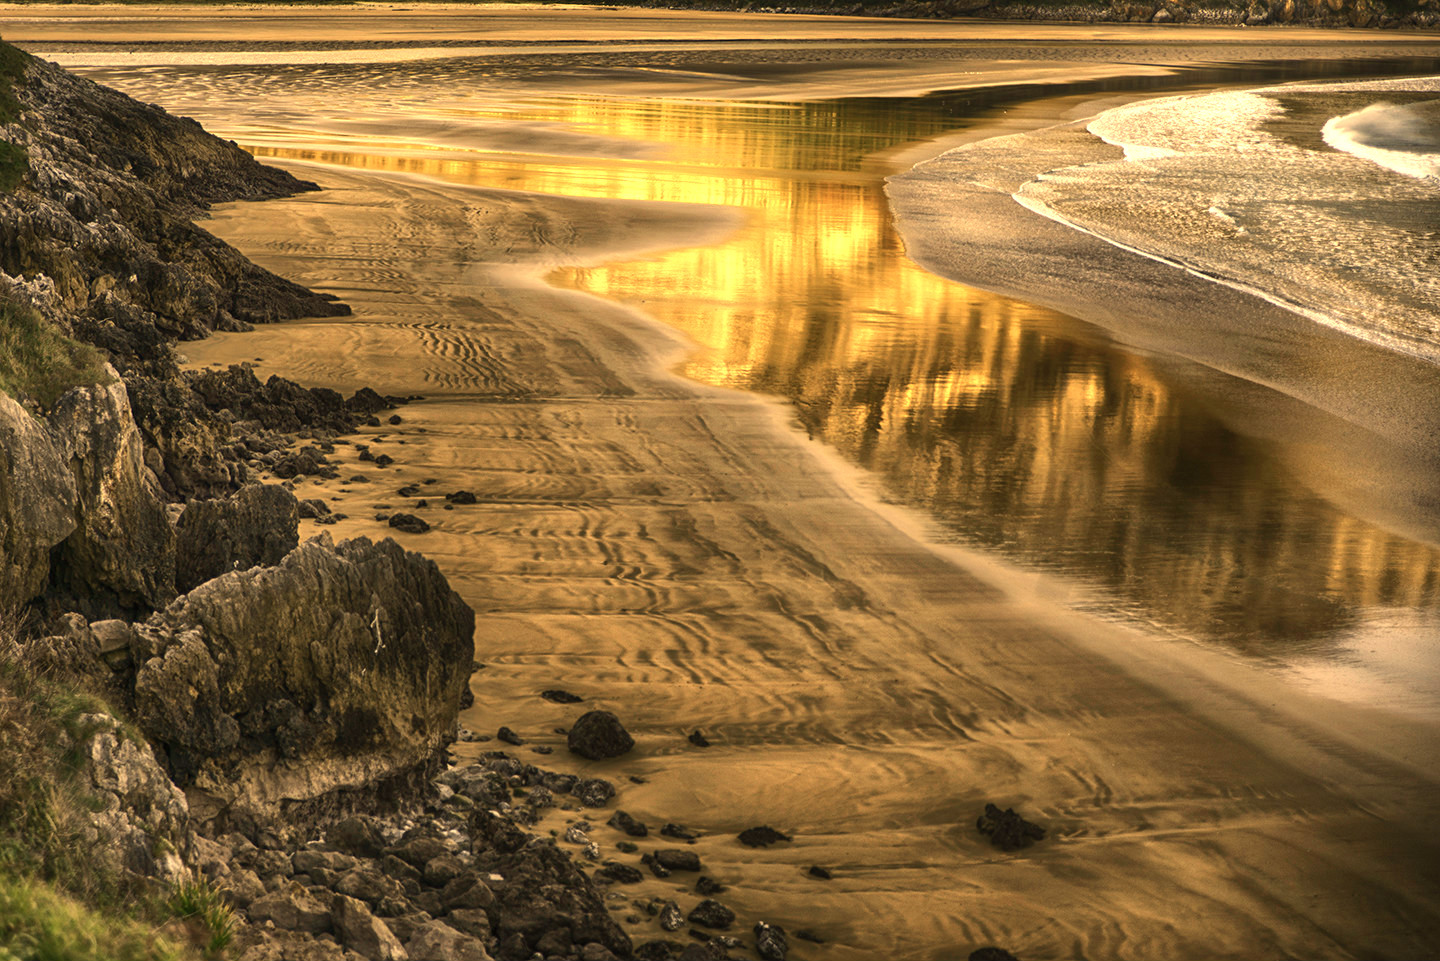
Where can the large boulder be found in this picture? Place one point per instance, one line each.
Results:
(599, 735)
(338, 669)
(123, 548)
(259, 525)
(37, 502)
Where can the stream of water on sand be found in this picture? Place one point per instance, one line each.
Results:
(1017, 428)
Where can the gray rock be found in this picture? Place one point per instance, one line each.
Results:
(290, 907)
(467, 891)
(357, 835)
(123, 546)
(670, 917)
(598, 735)
(624, 822)
(770, 942)
(363, 933)
(367, 636)
(259, 525)
(367, 884)
(37, 502)
(441, 870)
(242, 887)
(593, 792)
(435, 941)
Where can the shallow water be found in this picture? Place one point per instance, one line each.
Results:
(664, 551)
(1016, 428)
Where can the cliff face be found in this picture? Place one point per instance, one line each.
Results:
(334, 668)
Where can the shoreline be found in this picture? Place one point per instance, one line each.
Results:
(1156, 671)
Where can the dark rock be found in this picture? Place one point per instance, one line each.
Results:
(363, 933)
(461, 497)
(992, 954)
(598, 735)
(561, 697)
(559, 783)
(394, 418)
(370, 638)
(466, 891)
(509, 736)
(554, 943)
(313, 508)
(708, 885)
(383, 460)
(624, 822)
(441, 870)
(770, 942)
(472, 921)
(656, 868)
(761, 837)
(420, 851)
(256, 526)
(593, 792)
(619, 873)
(678, 860)
(409, 490)
(401, 871)
(358, 835)
(816, 871)
(408, 523)
(595, 951)
(698, 739)
(304, 460)
(1007, 830)
(711, 914)
(366, 883)
(678, 832)
(491, 833)
(658, 951)
(805, 934)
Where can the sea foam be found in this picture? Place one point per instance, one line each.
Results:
(1404, 138)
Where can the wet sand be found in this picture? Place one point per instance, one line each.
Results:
(684, 555)
(681, 555)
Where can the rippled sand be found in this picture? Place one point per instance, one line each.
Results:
(684, 555)
(681, 555)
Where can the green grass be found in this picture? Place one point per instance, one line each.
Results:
(14, 162)
(40, 363)
(56, 902)
(201, 902)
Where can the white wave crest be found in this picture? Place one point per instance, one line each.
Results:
(1400, 137)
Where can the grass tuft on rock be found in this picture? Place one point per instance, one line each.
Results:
(14, 161)
(200, 903)
(38, 362)
(56, 903)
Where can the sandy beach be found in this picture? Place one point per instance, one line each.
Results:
(685, 555)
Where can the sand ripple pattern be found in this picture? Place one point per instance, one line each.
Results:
(676, 553)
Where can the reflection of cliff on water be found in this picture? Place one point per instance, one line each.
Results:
(1019, 428)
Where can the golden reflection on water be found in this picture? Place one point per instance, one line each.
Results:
(1018, 428)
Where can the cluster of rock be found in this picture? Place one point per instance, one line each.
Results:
(1326, 13)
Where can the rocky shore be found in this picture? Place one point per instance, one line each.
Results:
(268, 719)
(1251, 13)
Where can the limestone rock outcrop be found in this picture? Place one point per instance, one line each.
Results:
(337, 669)
(123, 545)
(258, 525)
(37, 502)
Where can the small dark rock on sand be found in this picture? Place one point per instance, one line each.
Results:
(656, 868)
(698, 739)
(770, 941)
(313, 508)
(598, 735)
(408, 523)
(624, 822)
(761, 837)
(561, 697)
(619, 873)
(816, 871)
(707, 885)
(509, 736)
(461, 497)
(678, 860)
(1007, 830)
(670, 917)
(678, 832)
(711, 914)
(593, 792)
